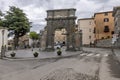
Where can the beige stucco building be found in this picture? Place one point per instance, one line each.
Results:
(104, 25)
(24, 41)
(87, 27)
(3, 37)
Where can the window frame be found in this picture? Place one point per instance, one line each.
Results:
(106, 19)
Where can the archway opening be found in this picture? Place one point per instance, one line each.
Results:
(60, 38)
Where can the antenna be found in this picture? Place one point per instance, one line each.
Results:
(103, 7)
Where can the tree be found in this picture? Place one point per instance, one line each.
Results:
(34, 36)
(17, 22)
(1, 20)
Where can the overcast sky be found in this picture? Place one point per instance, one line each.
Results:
(36, 9)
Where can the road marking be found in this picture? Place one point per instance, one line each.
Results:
(106, 55)
(97, 55)
(90, 54)
(83, 54)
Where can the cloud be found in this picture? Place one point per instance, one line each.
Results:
(36, 9)
(99, 1)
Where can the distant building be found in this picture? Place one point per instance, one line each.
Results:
(24, 41)
(116, 14)
(60, 35)
(104, 25)
(3, 37)
(87, 27)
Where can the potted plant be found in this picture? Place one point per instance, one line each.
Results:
(59, 52)
(35, 54)
(13, 54)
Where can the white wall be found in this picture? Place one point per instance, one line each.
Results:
(5, 38)
(30, 42)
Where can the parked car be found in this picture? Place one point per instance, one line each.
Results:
(57, 46)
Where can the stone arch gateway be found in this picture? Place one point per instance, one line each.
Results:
(60, 18)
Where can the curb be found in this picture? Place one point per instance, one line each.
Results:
(57, 57)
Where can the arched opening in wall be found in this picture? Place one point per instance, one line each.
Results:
(60, 38)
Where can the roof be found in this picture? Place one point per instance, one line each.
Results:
(103, 12)
(85, 18)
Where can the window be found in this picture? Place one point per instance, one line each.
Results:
(105, 13)
(8, 43)
(108, 37)
(102, 38)
(94, 30)
(106, 29)
(95, 22)
(89, 30)
(112, 32)
(106, 20)
(89, 37)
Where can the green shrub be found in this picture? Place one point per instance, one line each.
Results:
(13, 54)
(59, 52)
(35, 54)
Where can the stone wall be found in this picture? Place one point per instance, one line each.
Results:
(116, 15)
(104, 43)
(117, 43)
(43, 40)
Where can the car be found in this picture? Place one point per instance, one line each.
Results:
(57, 46)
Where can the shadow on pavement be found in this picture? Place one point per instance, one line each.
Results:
(114, 66)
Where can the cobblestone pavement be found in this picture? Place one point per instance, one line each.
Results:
(68, 74)
(92, 64)
(117, 53)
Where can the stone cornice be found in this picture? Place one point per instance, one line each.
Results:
(62, 18)
(103, 12)
(86, 19)
(61, 9)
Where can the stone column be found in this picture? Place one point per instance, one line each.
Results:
(50, 37)
(73, 34)
(73, 42)
(70, 35)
